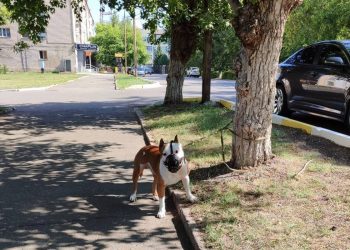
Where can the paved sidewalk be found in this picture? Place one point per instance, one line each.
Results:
(65, 172)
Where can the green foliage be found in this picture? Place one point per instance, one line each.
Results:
(110, 39)
(229, 75)
(3, 69)
(215, 74)
(33, 16)
(162, 60)
(225, 48)
(196, 59)
(315, 21)
(4, 14)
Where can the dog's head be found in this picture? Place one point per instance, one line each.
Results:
(173, 155)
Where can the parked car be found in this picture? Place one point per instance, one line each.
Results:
(316, 80)
(193, 71)
(148, 70)
(141, 71)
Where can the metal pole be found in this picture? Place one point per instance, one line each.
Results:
(125, 46)
(135, 47)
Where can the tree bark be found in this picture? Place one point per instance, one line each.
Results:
(183, 44)
(260, 28)
(207, 57)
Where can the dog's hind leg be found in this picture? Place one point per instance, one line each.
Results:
(135, 177)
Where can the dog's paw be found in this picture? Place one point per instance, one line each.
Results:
(155, 197)
(161, 214)
(192, 198)
(133, 197)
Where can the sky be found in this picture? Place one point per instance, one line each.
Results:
(95, 10)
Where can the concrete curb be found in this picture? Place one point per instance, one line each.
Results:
(145, 86)
(189, 223)
(337, 138)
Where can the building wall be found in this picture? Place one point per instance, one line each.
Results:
(61, 36)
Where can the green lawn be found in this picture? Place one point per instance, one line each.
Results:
(263, 207)
(124, 81)
(21, 80)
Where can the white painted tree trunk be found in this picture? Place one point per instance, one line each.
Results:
(183, 44)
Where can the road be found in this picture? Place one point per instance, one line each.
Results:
(65, 171)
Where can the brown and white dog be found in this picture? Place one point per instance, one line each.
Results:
(168, 165)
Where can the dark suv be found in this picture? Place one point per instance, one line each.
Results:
(316, 80)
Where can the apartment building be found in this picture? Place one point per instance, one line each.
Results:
(64, 46)
(152, 48)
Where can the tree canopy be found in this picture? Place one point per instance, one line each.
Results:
(315, 21)
(110, 39)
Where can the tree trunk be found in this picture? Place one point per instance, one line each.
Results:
(207, 57)
(260, 27)
(183, 44)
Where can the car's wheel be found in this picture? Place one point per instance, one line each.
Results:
(280, 105)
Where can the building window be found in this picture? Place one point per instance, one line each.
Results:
(42, 36)
(5, 32)
(43, 54)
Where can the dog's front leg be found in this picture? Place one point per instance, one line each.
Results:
(161, 195)
(186, 183)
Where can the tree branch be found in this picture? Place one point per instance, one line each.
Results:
(235, 4)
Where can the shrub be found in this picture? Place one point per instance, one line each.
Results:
(3, 69)
(215, 74)
(229, 75)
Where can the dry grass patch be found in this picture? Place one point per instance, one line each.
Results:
(263, 208)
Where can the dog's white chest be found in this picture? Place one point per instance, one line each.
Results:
(172, 178)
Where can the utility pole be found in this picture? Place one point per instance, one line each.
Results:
(135, 45)
(125, 46)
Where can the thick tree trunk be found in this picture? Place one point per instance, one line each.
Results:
(175, 80)
(183, 44)
(260, 28)
(207, 56)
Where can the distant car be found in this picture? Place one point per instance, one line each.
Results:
(193, 71)
(141, 71)
(148, 70)
(316, 80)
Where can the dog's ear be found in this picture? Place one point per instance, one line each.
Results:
(176, 140)
(161, 145)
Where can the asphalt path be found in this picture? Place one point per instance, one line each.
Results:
(65, 171)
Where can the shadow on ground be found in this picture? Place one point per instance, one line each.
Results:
(56, 192)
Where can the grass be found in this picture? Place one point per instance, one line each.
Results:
(264, 207)
(125, 81)
(21, 80)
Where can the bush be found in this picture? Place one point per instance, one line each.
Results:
(229, 75)
(215, 74)
(3, 69)
(55, 71)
